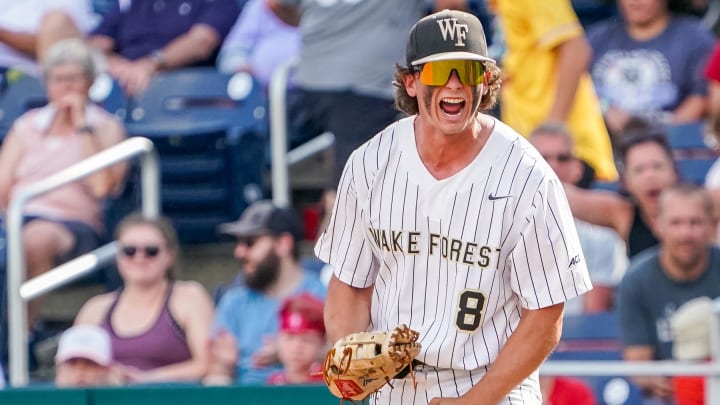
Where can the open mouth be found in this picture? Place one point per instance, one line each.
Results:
(653, 193)
(452, 106)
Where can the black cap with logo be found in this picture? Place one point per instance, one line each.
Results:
(446, 35)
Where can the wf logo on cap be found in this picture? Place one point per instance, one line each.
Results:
(449, 27)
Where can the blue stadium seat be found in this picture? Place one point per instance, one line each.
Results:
(22, 95)
(596, 337)
(108, 94)
(694, 170)
(687, 136)
(210, 131)
(589, 337)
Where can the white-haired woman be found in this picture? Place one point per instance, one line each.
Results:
(67, 221)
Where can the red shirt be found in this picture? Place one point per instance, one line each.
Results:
(712, 70)
(571, 391)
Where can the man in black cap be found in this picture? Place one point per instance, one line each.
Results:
(450, 222)
(243, 348)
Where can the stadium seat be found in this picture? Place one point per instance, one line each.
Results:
(688, 136)
(22, 95)
(210, 131)
(596, 337)
(589, 337)
(694, 170)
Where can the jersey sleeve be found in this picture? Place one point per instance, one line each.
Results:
(344, 243)
(552, 21)
(547, 263)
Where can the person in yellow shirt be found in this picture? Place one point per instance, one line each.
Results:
(546, 77)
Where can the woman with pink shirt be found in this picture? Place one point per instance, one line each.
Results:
(67, 221)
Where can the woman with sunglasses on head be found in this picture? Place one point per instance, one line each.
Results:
(450, 222)
(159, 326)
(647, 169)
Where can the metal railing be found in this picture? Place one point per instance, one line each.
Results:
(281, 159)
(18, 292)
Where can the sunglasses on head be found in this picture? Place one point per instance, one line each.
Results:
(149, 251)
(437, 73)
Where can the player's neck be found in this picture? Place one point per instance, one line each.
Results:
(444, 155)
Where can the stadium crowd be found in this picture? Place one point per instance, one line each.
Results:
(598, 87)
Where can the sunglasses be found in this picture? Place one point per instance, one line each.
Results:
(149, 251)
(470, 72)
(248, 241)
(562, 158)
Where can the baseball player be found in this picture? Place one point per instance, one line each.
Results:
(450, 222)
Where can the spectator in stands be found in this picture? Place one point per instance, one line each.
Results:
(158, 326)
(603, 248)
(556, 87)
(29, 28)
(566, 391)
(67, 221)
(648, 169)
(84, 357)
(344, 84)
(144, 37)
(244, 348)
(684, 266)
(712, 179)
(712, 74)
(649, 63)
(301, 341)
(259, 43)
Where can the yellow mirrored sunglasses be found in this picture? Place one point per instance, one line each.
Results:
(437, 73)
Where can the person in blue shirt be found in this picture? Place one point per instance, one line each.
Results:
(243, 349)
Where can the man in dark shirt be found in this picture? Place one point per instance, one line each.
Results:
(684, 266)
(143, 37)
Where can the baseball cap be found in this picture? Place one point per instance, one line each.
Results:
(262, 218)
(302, 313)
(446, 35)
(86, 342)
(690, 326)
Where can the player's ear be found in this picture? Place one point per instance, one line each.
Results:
(409, 80)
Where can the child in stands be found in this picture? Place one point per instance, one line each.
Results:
(301, 341)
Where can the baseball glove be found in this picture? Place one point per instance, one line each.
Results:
(361, 363)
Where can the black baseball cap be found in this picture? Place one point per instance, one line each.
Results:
(265, 218)
(446, 35)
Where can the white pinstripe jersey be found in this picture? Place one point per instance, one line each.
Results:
(455, 259)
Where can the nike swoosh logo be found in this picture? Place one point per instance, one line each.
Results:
(492, 197)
